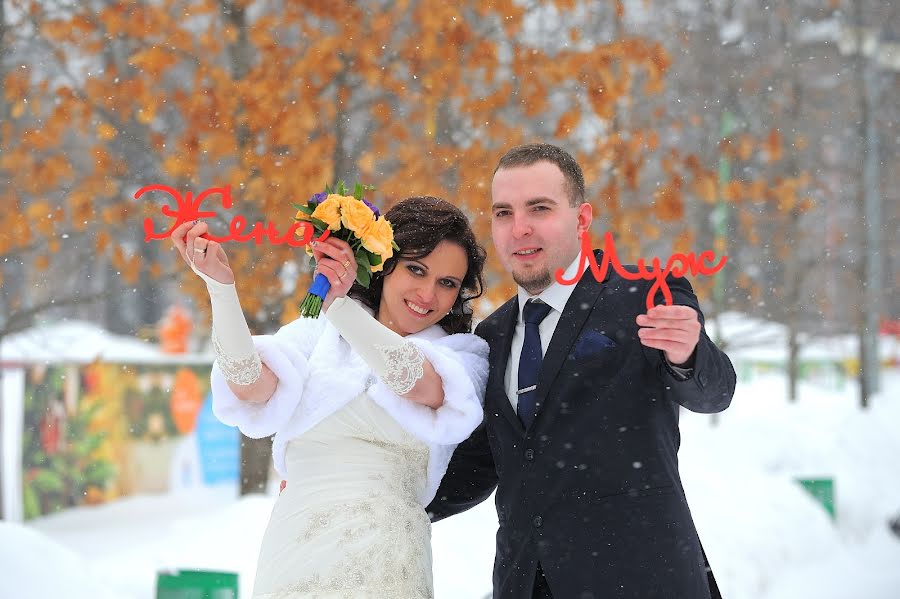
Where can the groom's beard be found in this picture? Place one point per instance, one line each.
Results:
(535, 282)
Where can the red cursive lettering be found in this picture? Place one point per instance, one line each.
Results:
(687, 263)
(188, 209)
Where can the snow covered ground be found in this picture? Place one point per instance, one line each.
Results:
(765, 536)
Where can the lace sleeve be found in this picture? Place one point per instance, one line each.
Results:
(240, 370)
(404, 366)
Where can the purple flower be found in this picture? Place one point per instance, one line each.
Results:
(372, 207)
(319, 197)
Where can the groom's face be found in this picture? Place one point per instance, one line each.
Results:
(535, 229)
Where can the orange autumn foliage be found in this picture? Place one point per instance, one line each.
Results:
(279, 102)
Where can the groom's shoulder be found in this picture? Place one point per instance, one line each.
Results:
(490, 325)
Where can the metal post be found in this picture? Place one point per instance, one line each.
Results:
(720, 218)
(872, 224)
(720, 228)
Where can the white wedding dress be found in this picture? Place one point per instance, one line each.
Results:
(349, 523)
(361, 462)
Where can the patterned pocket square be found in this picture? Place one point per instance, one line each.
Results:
(591, 342)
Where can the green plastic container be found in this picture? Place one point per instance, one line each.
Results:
(196, 584)
(822, 489)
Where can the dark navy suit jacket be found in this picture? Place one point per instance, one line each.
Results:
(591, 491)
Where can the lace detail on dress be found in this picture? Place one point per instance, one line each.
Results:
(404, 363)
(393, 570)
(242, 370)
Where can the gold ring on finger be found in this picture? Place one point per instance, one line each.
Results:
(346, 264)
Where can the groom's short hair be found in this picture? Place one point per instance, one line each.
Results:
(528, 154)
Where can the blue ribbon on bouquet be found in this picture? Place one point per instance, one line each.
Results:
(320, 286)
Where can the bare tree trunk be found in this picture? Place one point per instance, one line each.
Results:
(256, 454)
(868, 194)
(792, 282)
(342, 159)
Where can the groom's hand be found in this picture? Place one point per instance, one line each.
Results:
(673, 329)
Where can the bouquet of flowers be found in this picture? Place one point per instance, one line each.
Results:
(356, 221)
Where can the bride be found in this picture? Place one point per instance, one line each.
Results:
(366, 403)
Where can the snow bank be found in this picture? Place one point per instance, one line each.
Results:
(34, 566)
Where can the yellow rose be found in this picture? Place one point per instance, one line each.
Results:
(329, 212)
(355, 215)
(301, 215)
(377, 237)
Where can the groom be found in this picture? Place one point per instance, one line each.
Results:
(580, 435)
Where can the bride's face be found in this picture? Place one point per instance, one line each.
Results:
(419, 293)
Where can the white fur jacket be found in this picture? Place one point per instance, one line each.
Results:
(318, 373)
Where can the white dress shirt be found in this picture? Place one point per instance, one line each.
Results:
(555, 296)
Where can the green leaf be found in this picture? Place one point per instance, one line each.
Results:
(343, 234)
(362, 259)
(89, 411)
(363, 275)
(99, 472)
(30, 502)
(319, 225)
(374, 259)
(89, 444)
(394, 245)
(48, 481)
(304, 209)
(358, 191)
(56, 463)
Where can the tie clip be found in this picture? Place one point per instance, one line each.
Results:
(526, 390)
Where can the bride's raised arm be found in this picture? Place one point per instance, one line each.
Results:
(257, 382)
(247, 376)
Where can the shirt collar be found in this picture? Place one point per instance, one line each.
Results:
(556, 295)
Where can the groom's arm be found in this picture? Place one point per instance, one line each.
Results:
(710, 386)
(470, 479)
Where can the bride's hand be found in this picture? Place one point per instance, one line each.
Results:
(336, 261)
(205, 255)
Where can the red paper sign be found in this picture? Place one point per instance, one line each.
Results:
(687, 263)
(189, 210)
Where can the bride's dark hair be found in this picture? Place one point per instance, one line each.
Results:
(420, 223)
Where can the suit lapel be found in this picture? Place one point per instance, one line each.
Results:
(580, 305)
(499, 360)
